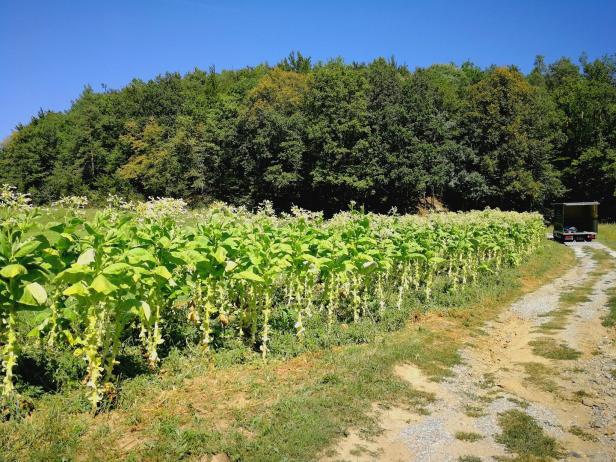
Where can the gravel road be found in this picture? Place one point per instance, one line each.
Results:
(494, 377)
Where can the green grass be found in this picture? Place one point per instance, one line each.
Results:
(468, 436)
(469, 459)
(522, 435)
(607, 235)
(282, 409)
(609, 320)
(551, 349)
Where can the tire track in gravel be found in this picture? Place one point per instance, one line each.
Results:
(493, 378)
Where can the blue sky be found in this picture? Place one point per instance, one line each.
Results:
(50, 49)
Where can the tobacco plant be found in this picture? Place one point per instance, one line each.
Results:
(122, 275)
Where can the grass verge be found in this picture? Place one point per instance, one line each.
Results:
(579, 294)
(266, 411)
(607, 235)
(609, 320)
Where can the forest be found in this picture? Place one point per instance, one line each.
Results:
(320, 135)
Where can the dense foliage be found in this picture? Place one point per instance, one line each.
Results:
(135, 272)
(321, 135)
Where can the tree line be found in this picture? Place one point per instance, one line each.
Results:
(320, 135)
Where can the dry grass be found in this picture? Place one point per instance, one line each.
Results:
(582, 434)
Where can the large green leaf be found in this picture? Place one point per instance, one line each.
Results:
(162, 272)
(27, 248)
(146, 310)
(87, 257)
(37, 291)
(118, 268)
(190, 256)
(73, 274)
(220, 255)
(77, 289)
(13, 270)
(56, 227)
(102, 285)
(311, 259)
(139, 255)
(248, 276)
(34, 294)
(164, 242)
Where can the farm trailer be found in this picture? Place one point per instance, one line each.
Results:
(576, 221)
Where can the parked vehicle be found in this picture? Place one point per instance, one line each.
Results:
(576, 221)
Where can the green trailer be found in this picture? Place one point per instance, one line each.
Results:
(576, 221)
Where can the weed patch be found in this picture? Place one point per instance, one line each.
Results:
(551, 349)
(580, 433)
(579, 395)
(522, 435)
(558, 320)
(541, 376)
(473, 411)
(468, 436)
(519, 402)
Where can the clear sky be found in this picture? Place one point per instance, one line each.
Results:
(50, 49)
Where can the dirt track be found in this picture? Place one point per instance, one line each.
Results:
(500, 372)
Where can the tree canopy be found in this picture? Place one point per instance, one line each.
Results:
(320, 135)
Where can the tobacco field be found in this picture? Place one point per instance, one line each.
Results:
(128, 275)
